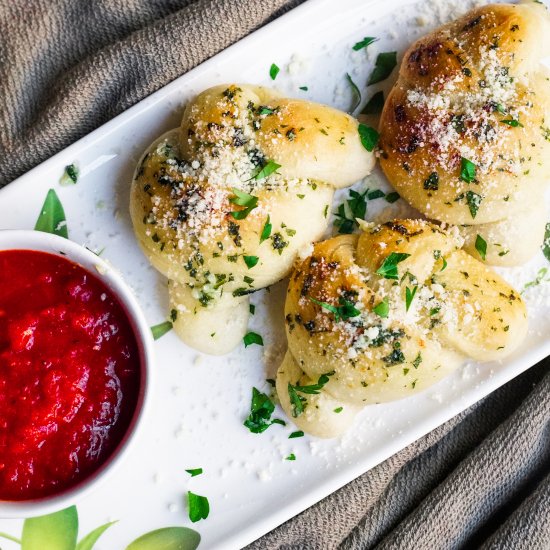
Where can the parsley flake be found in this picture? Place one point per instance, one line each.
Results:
(199, 507)
(70, 175)
(367, 41)
(431, 183)
(291, 456)
(383, 67)
(344, 311)
(299, 402)
(546, 243)
(273, 71)
(388, 268)
(252, 338)
(250, 261)
(356, 94)
(392, 197)
(467, 170)
(376, 194)
(473, 200)
(396, 357)
(266, 231)
(382, 309)
(294, 435)
(338, 410)
(409, 296)
(267, 169)
(512, 122)
(261, 409)
(540, 278)
(481, 246)
(194, 472)
(357, 205)
(369, 137)
(243, 199)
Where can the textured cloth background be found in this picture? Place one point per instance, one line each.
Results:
(482, 479)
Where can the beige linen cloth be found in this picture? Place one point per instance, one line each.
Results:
(481, 480)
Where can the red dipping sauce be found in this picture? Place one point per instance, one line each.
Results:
(69, 374)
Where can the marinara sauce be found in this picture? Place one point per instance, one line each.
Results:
(69, 374)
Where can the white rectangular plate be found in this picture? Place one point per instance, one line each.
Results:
(200, 402)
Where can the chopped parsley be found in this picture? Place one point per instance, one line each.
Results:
(346, 310)
(194, 472)
(512, 122)
(383, 67)
(367, 41)
(250, 261)
(252, 309)
(396, 357)
(278, 243)
(261, 409)
(243, 199)
(266, 231)
(294, 435)
(267, 169)
(546, 243)
(70, 175)
(417, 361)
(473, 200)
(374, 105)
(438, 256)
(252, 338)
(392, 197)
(388, 268)
(481, 247)
(266, 111)
(304, 88)
(467, 170)
(431, 183)
(376, 194)
(161, 329)
(540, 278)
(338, 410)
(291, 456)
(357, 205)
(369, 137)
(199, 507)
(273, 71)
(299, 402)
(382, 309)
(409, 296)
(356, 94)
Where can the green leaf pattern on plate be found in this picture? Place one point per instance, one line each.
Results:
(59, 531)
(169, 538)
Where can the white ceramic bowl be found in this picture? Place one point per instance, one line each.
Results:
(45, 242)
